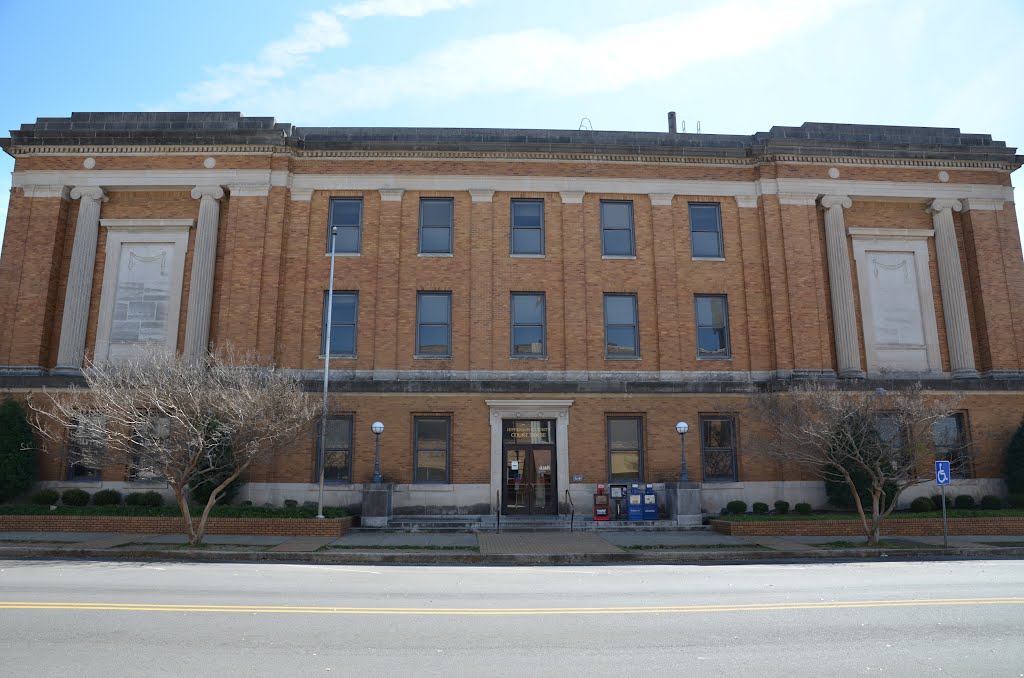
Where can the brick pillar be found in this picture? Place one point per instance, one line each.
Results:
(388, 256)
(71, 350)
(574, 276)
(844, 317)
(481, 292)
(204, 259)
(665, 283)
(954, 298)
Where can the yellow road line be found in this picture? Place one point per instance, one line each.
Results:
(463, 611)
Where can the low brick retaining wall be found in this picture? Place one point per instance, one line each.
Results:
(911, 527)
(265, 527)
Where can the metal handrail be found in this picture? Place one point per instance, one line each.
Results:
(497, 508)
(572, 510)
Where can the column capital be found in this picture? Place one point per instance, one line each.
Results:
(481, 194)
(90, 192)
(943, 204)
(662, 199)
(391, 194)
(746, 201)
(571, 197)
(841, 201)
(215, 192)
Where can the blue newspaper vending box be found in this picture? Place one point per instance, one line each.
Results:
(650, 503)
(636, 502)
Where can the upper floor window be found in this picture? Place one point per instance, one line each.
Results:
(712, 326)
(621, 338)
(625, 449)
(436, 216)
(528, 324)
(344, 314)
(617, 228)
(951, 444)
(527, 226)
(706, 230)
(432, 440)
(347, 216)
(337, 449)
(434, 324)
(718, 448)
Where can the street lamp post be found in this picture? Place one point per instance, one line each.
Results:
(377, 428)
(327, 367)
(681, 428)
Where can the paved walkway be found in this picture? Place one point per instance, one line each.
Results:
(545, 544)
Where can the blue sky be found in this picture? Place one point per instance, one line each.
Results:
(737, 66)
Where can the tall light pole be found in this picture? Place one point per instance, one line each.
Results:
(377, 428)
(681, 428)
(327, 367)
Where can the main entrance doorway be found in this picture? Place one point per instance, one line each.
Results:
(528, 467)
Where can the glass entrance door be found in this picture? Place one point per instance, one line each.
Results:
(529, 480)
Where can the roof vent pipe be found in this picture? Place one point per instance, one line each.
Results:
(671, 122)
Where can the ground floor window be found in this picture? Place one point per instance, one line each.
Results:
(83, 440)
(432, 438)
(337, 449)
(951, 444)
(625, 449)
(718, 447)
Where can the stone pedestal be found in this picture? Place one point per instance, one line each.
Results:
(682, 503)
(376, 509)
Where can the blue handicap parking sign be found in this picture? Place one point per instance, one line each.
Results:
(942, 473)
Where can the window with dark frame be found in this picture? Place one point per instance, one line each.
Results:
(527, 217)
(712, 313)
(706, 230)
(337, 449)
(432, 437)
(347, 215)
(620, 326)
(434, 324)
(135, 472)
(952, 444)
(436, 222)
(617, 228)
(344, 320)
(79, 440)
(718, 448)
(528, 325)
(625, 449)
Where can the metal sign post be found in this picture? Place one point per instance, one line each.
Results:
(942, 479)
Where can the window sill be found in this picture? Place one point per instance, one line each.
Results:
(628, 358)
(526, 256)
(714, 357)
(432, 357)
(622, 257)
(338, 356)
(435, 255)
(708, 258)
(344, 254)
(528, 357)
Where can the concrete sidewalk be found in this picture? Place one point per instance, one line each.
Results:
(486, 548)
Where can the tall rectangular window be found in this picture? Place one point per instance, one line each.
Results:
(527, 227)
(434, 324)
(141, 466)
(617, 228)
(84, 444)
(625, 449)
(706, 230)
(344, 315)
(712, 326)
(621, 338)
(436, 217)
(337, 449)
(432, 439)
(347, 215)
(951, 444)
(718, 448)
(528, 325)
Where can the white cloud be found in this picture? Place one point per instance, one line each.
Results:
(321, 31)
(549, 62)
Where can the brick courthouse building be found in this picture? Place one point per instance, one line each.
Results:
(527, 311)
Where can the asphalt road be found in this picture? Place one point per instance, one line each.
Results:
(75, 618)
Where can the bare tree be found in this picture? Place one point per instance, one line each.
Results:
(163, 416)
(885, 436)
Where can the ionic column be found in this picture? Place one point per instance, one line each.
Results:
(844, 317)
(71, 350)
(200, 293)
(951, 282)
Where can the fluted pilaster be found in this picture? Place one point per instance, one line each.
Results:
(951, 282)
(844, 317)
(200, 293)
(71, 350)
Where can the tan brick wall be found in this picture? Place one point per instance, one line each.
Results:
(267, 527)
(903, 527)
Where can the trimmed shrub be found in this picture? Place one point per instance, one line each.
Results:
(1015, 501)
(17, 450)
(1015, 462)
(803, 508)
(782, 507)
(45, 497)
(75, 497)
(291, 503)
(760, 508)
(963, 501)
(922, 505)
(937, 501)
(150, 498)
(106, 498)
(991, 502)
